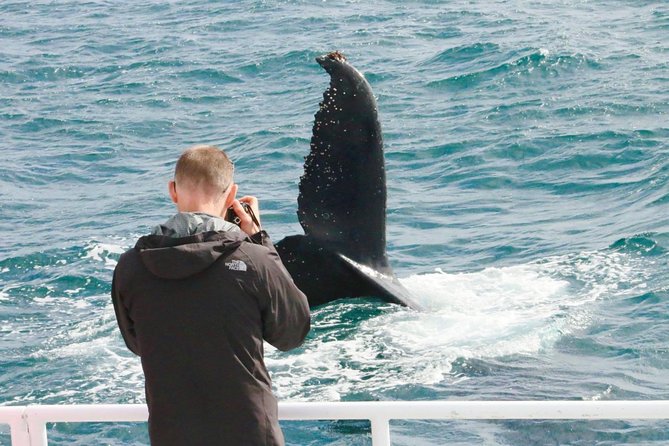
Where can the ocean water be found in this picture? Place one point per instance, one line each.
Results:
(527, 155)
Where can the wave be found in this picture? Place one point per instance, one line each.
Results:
(646, 244)
(463, 53)
(209, 75)
(298, 60)
(440, 32)
(535, 62)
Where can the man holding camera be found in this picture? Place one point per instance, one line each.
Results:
(195, 299)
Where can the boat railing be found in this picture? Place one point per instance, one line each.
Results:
(28, 423)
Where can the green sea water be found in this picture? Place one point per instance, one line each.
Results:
(527, 158)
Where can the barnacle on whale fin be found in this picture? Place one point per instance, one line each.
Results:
(337, 55)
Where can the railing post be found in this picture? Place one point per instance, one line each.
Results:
(380, 431)
(36, 427)
(19, 431)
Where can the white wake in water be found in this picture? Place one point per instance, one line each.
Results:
(493, 313)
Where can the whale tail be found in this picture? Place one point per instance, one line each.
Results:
(342, 200)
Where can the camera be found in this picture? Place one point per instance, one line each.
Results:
(232, 217)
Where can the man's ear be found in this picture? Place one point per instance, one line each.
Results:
(172, 187)
(231, 196)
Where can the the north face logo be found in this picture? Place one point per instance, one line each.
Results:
(236, 265)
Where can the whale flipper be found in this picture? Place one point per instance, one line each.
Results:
(342, 201)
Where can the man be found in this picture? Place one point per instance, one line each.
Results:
(195, 299)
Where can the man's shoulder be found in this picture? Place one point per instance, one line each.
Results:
(256, 256)
(129, 253)
(128, 258)
(261, 249)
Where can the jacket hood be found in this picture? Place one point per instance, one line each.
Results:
(170, 252)
(183, 224)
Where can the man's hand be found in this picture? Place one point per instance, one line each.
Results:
(245, 221)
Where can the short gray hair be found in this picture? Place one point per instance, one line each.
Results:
(206, 167)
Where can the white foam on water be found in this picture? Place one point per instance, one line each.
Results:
(100, 252)
(66, 305)
(106, 370)
(493, 313)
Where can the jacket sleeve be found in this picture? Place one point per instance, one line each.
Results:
(285, 309)
(125, 324)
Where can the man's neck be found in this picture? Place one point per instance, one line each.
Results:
(209, 208)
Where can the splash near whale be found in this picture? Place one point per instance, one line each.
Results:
(342, 199)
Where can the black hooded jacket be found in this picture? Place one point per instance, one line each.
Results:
(196, 309)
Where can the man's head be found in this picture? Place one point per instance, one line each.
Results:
(203, 181)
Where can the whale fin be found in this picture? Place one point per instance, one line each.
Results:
(386, 286)
(342, 200)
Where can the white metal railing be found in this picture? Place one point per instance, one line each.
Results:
(28, 423)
